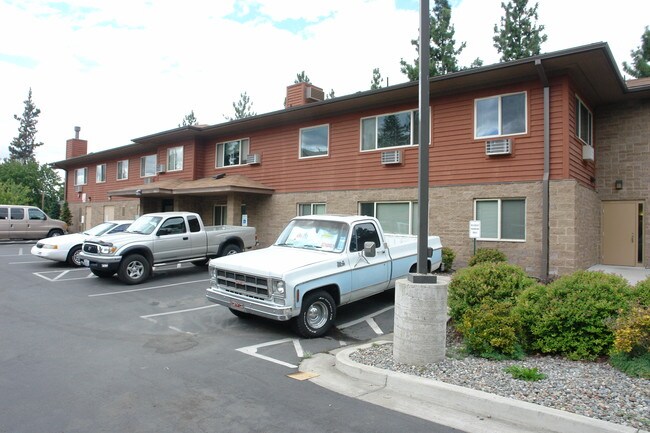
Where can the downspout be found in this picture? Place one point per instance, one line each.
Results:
(547, 175)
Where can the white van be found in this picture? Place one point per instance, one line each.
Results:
(28, 222)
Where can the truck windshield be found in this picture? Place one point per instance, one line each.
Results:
(320, 235)
(144, 225)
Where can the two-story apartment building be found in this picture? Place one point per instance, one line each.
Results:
(550, 153)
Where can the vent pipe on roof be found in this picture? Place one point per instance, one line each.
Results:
(76, 132)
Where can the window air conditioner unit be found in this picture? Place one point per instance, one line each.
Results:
(253, 159)
(314, 94)
(78, 188)
(498, 147)
(587, 152)
(391, 157)
(161, 168)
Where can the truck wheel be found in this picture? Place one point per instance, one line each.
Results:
(73, 256)
(316, 315)
(102, 274)
(134, 269)
(230, 249)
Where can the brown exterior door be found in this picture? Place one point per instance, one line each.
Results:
(620, 222)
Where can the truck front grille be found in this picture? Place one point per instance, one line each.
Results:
(90, 248)
(250, 285)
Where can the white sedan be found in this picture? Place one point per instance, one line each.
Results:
(66, 248)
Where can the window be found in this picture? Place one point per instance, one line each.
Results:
(232, 153)
(36, 214)
(395, 217)
(81, 176)
(501, 219)
(314, 141)
(311, 209)
(148, 166)
(100, 174)
(173, 226)
(175, 158)
(195, 225)
(583, 122)
(500, 115)
(365, 232)
(219, 215)
(123, 169)
(390, 130)
(4, 213)
(17, 213)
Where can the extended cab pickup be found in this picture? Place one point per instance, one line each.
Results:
(162, 238)
(317, 264)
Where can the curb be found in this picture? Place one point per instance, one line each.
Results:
(478, 403)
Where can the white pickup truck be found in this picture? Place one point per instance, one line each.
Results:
(318, 263)
(158, 239)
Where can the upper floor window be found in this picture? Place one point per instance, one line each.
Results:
(148, 166)
(500, 115)
(311, 209)
(232, 153)
(81, 176)
(100, 174)
(583, 122)
(390, 130)
(501, 219)
(123, 169)
(395, 217)
(314, 141)
(175, 158)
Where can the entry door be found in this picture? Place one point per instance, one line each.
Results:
(109, 213)
(620, 222)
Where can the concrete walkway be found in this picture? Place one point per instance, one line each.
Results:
(631, 273)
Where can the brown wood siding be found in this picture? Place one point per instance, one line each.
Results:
(579, 169)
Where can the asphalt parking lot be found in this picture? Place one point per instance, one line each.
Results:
(81, 353)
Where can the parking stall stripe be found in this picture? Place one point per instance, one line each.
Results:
(364, 318)
(179, 311)
(147, 288)
(374, 326)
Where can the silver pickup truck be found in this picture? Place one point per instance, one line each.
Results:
(162, 238)
(318, 263)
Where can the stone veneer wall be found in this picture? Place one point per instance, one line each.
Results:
(622, 135)
(124, 210)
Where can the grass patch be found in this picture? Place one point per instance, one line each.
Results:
(523, 373)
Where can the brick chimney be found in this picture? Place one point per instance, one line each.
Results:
(302, 94)
(75, 147)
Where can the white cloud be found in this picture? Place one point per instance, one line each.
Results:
(125, 69)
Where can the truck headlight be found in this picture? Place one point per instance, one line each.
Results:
(213, 275)
(107, 249)
(278, 288)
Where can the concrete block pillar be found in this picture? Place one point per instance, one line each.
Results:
(420, 322)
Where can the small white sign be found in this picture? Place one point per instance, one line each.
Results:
(244, 220)
(474, 229)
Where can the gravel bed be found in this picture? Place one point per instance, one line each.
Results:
(592, 389)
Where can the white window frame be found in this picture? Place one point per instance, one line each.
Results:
(499, 208)
(499, 116)
(412, 230)
(413, 137)
(174, 167)
(311, 208)
(85, 176)
(223, 209)
(124, 164)
(143, 165)
(300, 155)
(102, 171)
(242, 156)
(579, 120)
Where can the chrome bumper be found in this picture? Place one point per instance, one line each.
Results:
(248, 305)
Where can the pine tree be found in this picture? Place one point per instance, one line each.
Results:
(189, 120)
(301, 78)
(518, 36)
(66, 216)
(22, 147)
(443, 58)
(640, 66)
(376, 80)
(242, 107)
(330, 95)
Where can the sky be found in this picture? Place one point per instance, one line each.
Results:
(123, 69)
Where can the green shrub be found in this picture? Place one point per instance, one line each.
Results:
(492, 331)
(523, 373)
(632, 332)
(634, 366)
(641, 292)
(483, 255)
(470, 287)
(573, 315)
(448, 256)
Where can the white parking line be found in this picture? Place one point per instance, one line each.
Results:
(23, 263)
(374, 326)
(146, 288)
(179, 311)
(252, 351)
(60, 274)
(365, 318)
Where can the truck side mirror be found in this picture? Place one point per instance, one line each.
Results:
(164, 231)
(369, 249)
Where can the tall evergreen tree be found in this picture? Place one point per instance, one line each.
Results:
(444, 54)
(189, 120)
(376, 80)
(518, 36)
(22, 147)
(301, 78)
(330, 95)
(243, 107)
(640, 66)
